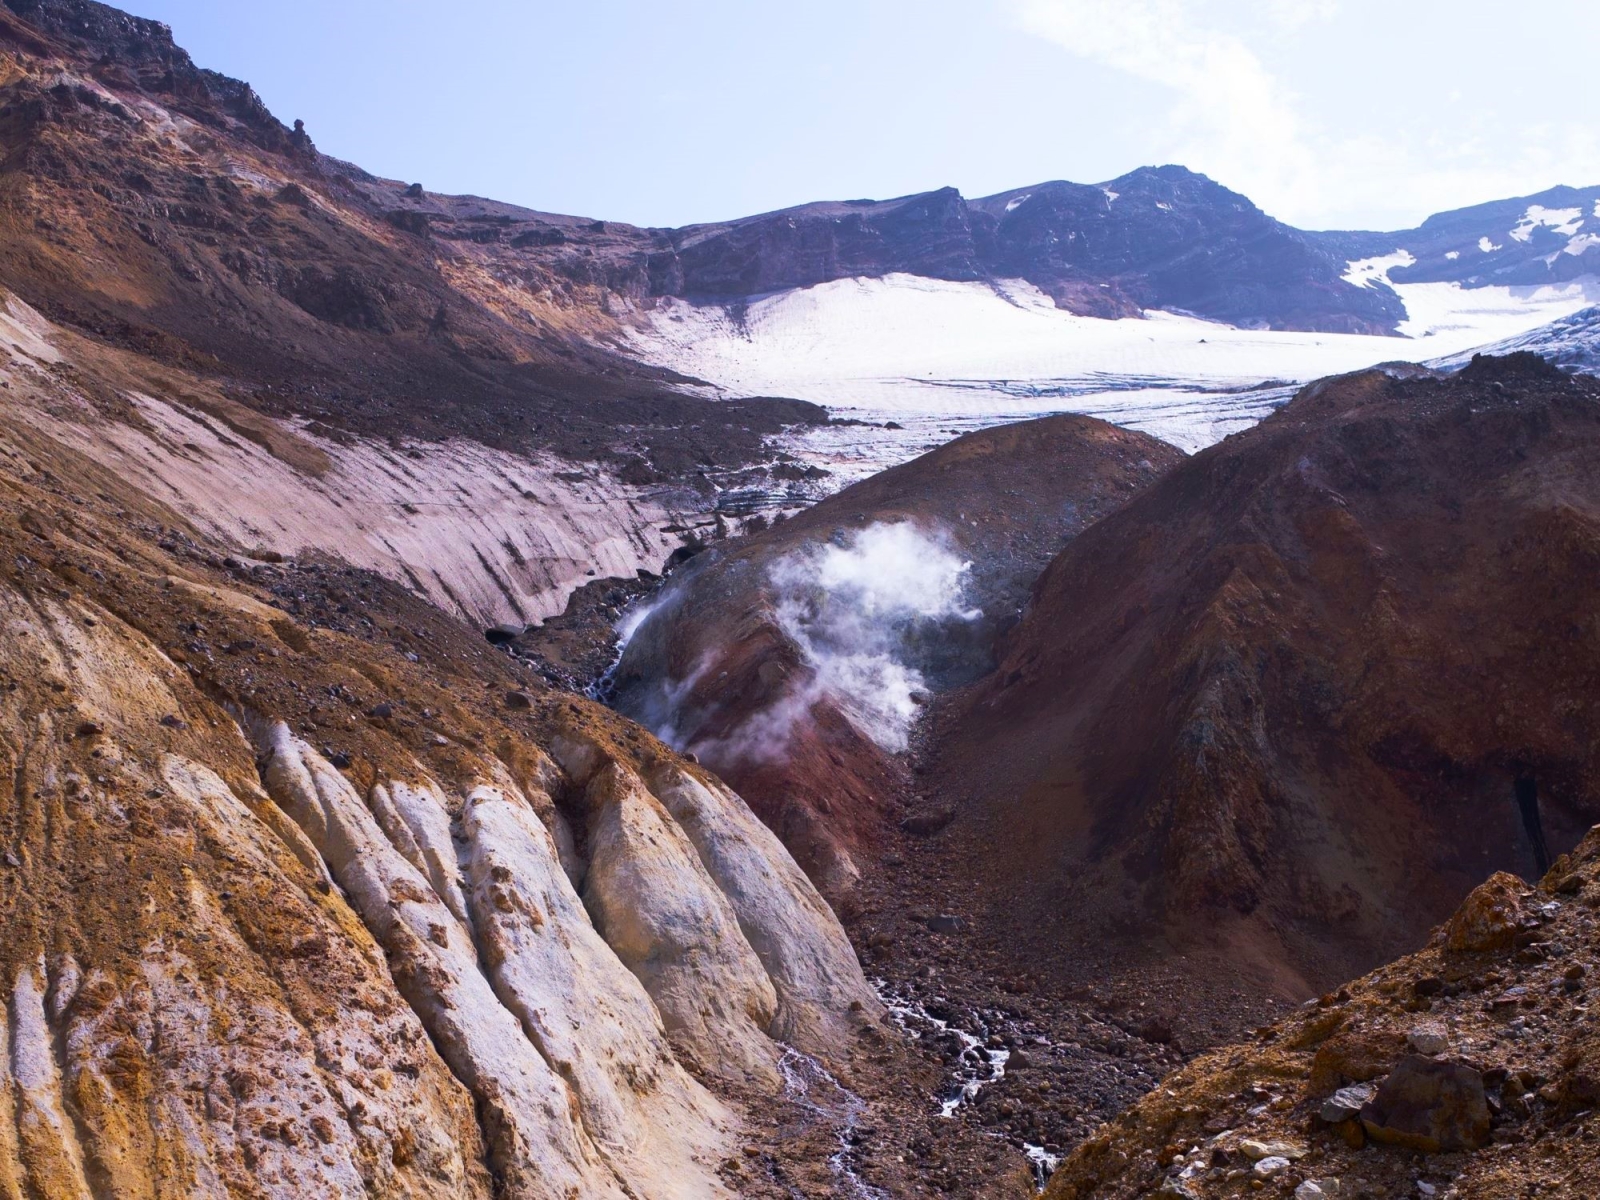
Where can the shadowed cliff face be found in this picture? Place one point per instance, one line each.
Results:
(1289, 688)
(796, 661)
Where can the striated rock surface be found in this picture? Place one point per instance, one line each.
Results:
(291, 911)
(672, 927)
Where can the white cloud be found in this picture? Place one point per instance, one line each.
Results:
(1234, 117)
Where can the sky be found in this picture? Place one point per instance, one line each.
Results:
(1328, 113)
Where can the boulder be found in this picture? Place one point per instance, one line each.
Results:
(1429, 1106)
(926, 824)
(1488, 919)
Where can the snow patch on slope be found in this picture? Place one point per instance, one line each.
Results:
(1562, 220)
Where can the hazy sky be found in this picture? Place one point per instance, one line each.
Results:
(1328, 113)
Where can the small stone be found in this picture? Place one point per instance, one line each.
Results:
(1268, 1167)
(11, 860)
(945, 923)
(1318, 1189)
(89, 729)
(518, 700)
(381, 711)
(339, 760)
(174, 722)
(1255, 1149)
(1428, 1039)
(1346, 1103)
(926, 824)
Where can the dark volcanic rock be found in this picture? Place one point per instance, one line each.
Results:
(1165, 237)
(1523, 241)
(1429, 1106)
(928, 234)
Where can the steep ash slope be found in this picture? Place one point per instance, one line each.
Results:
(1279, 702)
(793, 661)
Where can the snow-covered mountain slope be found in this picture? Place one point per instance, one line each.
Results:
(1550, 237)
(937, 356)
(1572, 343)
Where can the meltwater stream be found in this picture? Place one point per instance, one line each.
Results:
(976, 1066)
(809, 1085)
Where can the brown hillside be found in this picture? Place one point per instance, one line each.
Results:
(1281, 701)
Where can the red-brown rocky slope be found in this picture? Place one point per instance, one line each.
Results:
(1298, 698)
(1468, 1071)
(161, 207)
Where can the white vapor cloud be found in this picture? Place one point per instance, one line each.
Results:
(859, 610)
(1233, 115)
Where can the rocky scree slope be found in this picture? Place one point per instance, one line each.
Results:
(294, 911)
(1470, 1069)
(158, 207)
(197, 297)
(1301, 695)
(723, 662)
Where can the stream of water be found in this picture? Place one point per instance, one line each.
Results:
(975, 1067)
(809, 1085)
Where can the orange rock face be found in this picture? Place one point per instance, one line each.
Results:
(1489, 918)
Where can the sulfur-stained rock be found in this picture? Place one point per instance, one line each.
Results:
(536, 1142)
(1354, 1056)
(1489, 917)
